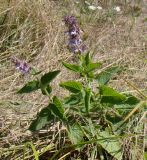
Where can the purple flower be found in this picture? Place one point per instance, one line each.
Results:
(75, 41)
(74, 33)
(21, 65)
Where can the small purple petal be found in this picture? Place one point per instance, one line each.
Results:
(21, 65)
(69, 20)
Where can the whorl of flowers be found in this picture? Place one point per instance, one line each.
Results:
(74, 32)
(21, 65)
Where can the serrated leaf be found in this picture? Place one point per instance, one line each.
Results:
(72, 67)
(109, 95)
(75, 133)
(104, 77)
(57, 108)
(72, 86)
(43, 118)
(30, 87)
(48, 77)
(112, 146)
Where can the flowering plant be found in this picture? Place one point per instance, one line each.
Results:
(90, 116)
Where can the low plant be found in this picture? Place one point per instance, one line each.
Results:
(91, 115)
(95, 116)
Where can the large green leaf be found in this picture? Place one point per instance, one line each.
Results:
(87, 99)
(72, 67)
(75, 133)
(48, 77)
(105, 76)
(43, 118)
(109, 95)
(57, 108)
(112, 146)
(91, 128)
(72, 86)
(30, 87)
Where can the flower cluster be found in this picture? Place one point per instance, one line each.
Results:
(92, 7)
(74, 32)
(21, 65)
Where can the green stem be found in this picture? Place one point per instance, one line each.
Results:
(49, 96)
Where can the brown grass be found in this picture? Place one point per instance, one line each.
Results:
(33, 30)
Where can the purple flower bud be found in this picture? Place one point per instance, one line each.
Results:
(69, 20)
(21, 65)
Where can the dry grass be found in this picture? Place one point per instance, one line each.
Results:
(33, 30)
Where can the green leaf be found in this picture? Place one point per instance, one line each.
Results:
(105, 76)
(36, 154)
(91, 128)
(113, 118)
(109, 95)
(48, 77)
(75, 133)
(145, 155)
(72, 67)
(93, 66)
(43, 118)
(88, 65)
(47, 90)
(73, 99)
(72, 86)
(87, 99)
(132, 100)
(57, 108)
(30, 87)
(90, 75)
(87, 59)
(112, 146)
